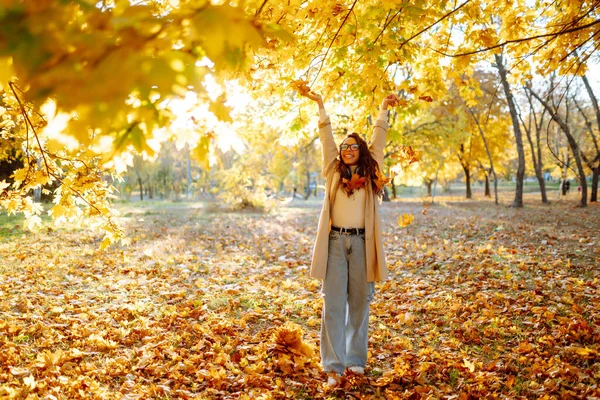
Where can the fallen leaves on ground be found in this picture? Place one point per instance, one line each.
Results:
(482, 302)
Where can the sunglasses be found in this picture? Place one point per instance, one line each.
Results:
(352, 147)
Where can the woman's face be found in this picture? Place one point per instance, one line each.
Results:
(350, 151)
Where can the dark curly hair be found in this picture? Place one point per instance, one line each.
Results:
(367, 166)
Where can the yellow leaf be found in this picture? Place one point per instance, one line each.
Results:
(19, 176)
(401, 367)
(52, 359)
(405, 220)
(469, 365)
(406, 319)
(202, 151)
(30, 382)
(224, 32)
(105, 243)
(585, 352)
(32, 222)
(6, 71)
(220, 110)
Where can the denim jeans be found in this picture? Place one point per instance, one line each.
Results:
(347, 296)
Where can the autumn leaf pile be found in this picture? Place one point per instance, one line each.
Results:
(482, 302)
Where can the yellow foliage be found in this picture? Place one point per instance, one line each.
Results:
(406, 220)
(6, 71)
(111, 70)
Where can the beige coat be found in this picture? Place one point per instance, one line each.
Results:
(376, 268)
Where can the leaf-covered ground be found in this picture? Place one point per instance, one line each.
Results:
(483, 302)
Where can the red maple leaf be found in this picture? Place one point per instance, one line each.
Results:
(381, 180)
(356, 182)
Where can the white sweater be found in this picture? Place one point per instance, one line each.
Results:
(349, 212)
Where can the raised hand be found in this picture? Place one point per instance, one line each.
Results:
(302, 87)
(313, 96)
(390, 100)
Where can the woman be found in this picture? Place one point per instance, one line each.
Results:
(348, 252)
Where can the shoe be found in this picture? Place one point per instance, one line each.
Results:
(333, 379)
(357, 370)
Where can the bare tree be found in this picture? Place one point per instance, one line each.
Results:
(553, 110)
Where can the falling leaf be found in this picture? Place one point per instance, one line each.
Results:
(406, 154)
(405, 220)
(381, 180)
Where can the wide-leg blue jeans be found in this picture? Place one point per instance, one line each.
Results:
(347, 296)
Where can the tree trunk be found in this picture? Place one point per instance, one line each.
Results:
(307, 187)
(539, 174)
(537, 159)
(141, 188)
(394, 196)
(563, 179)
(595, 173)
(37, 194)
(447, 185)
(188, 192)
(518, 201)
(429, 184)
(487, 150)
(436, 180)
(468, 194)
(386, 195)
(596, 168)
(572, 144)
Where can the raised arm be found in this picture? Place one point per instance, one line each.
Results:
(380, 129)
(330, 151)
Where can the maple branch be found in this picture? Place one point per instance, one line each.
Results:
(260, 8)
(386, 24)
(28, 124)
(333, 40)
(71, 161)
(547, 42)
(526, 39)
(28, 121)
(553, 113)
(574, 51)
(576, 20)
(588, 125)
(318, 42)
(434, 24)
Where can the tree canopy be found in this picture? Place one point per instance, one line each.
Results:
(85, 86)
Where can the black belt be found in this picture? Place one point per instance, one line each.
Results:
(349, 231)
